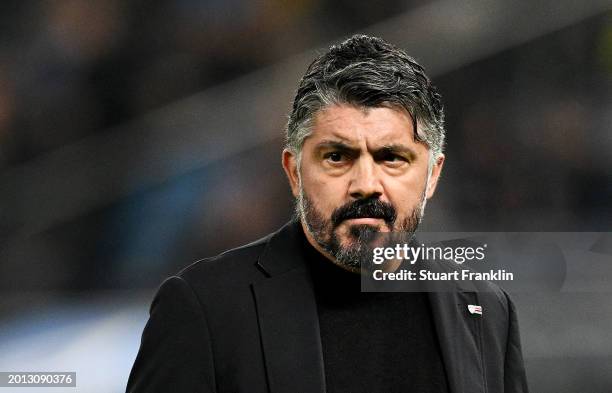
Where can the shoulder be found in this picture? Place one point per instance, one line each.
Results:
(493, 291)
(236, 265)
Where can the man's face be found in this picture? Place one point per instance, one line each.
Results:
(361, 174)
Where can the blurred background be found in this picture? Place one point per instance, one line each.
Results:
(137, 137)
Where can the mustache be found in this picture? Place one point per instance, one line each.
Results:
(364, 208)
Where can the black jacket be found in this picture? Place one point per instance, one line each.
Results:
(246, 321)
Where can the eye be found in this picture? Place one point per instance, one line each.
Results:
(390, 157)
(335, 157)
(393, 160)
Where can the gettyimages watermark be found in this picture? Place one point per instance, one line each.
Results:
(412, 254)
(516, 261)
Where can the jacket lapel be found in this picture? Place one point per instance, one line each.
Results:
(287, 316)
(459, 334)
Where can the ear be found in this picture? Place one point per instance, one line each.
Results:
(435, 175)
(289, 160)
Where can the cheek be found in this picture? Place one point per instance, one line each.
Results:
(405, 194)
(327, 194)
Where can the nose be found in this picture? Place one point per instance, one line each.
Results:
(365, 181)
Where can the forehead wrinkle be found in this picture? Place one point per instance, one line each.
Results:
(361, 133)
(366, 128)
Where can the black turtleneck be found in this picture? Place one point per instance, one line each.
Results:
(373, 341)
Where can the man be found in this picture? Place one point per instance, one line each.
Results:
(285, 313)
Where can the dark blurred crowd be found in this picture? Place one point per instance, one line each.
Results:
(75, 67)
(530, 134)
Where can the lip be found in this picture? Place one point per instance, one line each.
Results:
(365, 221)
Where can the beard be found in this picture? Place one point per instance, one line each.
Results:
(357, 252)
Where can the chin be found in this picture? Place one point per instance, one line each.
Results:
(359, 232)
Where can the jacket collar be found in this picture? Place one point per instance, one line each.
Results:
(283, 250)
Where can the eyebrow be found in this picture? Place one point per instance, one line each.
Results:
(395, 148)
(332, 144)
(398, 149)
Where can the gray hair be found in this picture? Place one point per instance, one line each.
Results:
(367, 72)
